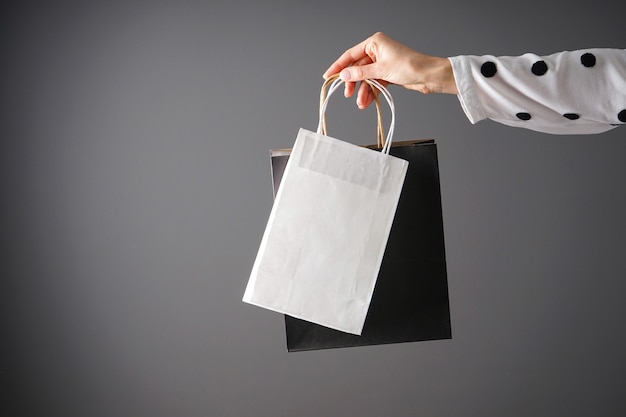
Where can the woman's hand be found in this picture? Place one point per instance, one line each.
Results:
(380, 57)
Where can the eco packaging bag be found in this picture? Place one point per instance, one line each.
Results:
(327, 231)
(410, 302)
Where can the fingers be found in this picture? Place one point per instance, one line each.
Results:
(348, 58)
(357, 64)
(349, 89)
(365, 96)
(350, 81)
(364, 67)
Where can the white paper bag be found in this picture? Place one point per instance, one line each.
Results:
(326, 235)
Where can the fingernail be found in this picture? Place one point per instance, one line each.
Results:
(345, 75)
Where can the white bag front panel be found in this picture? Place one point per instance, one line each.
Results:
(326, 235)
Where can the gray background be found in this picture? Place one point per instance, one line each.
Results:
(135, 188)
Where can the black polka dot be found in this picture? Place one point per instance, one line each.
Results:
(539, 68)
(588, 60)
(489, 69)
(523, 116)
(571, 116)
(622, 116)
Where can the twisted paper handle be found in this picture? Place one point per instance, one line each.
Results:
(329, 87)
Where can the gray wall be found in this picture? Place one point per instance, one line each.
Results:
(135, 187)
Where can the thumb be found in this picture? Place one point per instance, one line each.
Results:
(359, 73)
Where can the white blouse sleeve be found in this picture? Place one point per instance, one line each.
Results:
(570, 92)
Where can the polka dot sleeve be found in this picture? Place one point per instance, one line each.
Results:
(570, 92)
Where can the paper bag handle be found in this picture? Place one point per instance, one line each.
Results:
(380, 134)
(335, 83)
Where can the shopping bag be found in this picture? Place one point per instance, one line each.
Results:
(323, 245)
(410, 302)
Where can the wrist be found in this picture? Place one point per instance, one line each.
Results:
(448, 83)
(442, 77)
(433, 75)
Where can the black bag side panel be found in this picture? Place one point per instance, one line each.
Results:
(410, 301)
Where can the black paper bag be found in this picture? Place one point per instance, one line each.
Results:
(410, 301)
